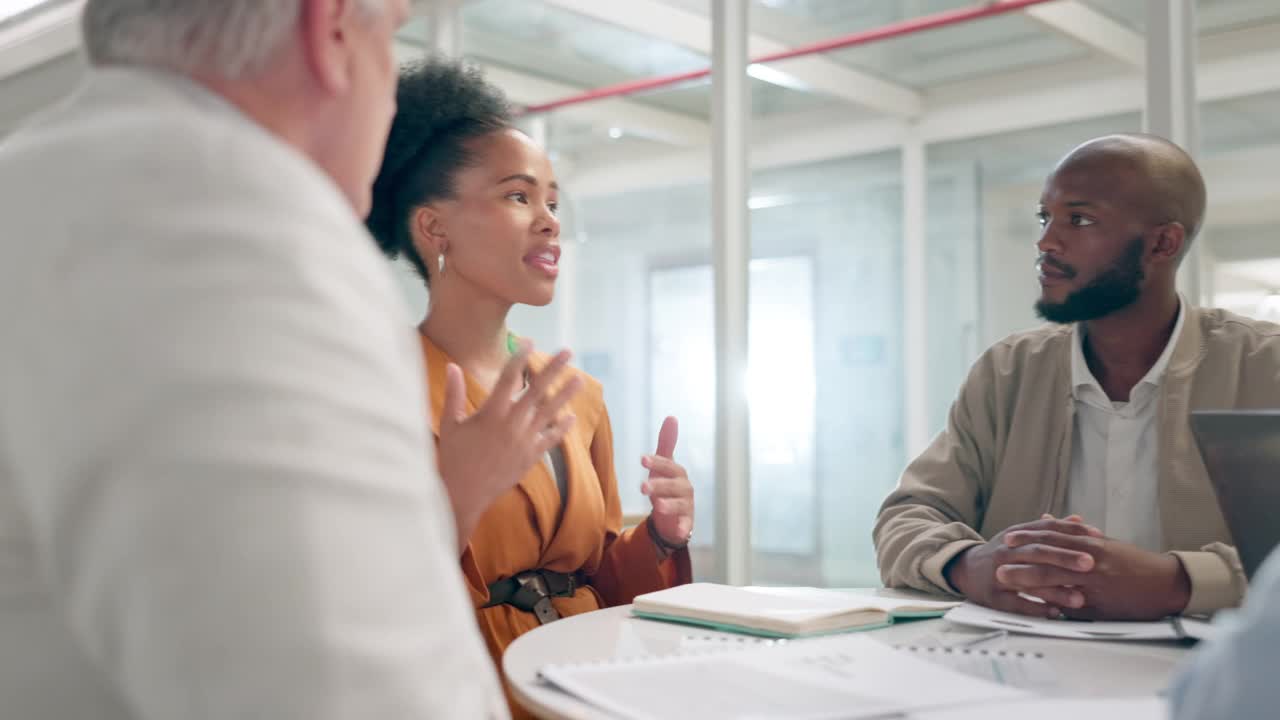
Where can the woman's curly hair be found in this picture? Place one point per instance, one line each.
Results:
(441, 106)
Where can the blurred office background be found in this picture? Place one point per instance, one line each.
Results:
(891, 203)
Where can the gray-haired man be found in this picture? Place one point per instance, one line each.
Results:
(217, 497)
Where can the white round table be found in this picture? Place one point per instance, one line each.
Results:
(1085, 668)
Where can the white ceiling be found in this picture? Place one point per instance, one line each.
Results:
(1005, 92)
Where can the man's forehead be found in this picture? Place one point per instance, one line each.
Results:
(1088, 183)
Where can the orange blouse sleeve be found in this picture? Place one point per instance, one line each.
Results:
(630, 564)
(476, 586)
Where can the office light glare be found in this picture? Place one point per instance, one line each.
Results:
(767, 74)
(13, 8)
(764, 202)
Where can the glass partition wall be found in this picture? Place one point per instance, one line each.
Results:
(892, 186)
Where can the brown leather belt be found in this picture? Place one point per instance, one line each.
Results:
(532, 591)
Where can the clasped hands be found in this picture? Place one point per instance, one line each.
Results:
(1074, 569)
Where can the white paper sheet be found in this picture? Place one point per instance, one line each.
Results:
(839, 677)
(1011, 668)
(1056, 709)
(978, 616)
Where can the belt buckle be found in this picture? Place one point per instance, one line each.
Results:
(533, 579)
(542, 608)
(545, 611)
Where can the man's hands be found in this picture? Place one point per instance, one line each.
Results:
(1075, 570)
(974, 572)
(1125, 582)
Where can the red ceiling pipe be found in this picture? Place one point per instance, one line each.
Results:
(892, 30)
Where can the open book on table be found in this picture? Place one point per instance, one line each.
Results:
(780, 612)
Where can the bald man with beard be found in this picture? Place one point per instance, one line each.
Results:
(1067, 481)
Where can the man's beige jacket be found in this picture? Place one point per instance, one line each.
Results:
(1005, 455)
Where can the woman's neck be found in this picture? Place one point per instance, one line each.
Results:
(471, 330)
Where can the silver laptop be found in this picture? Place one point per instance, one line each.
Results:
(1241, 451)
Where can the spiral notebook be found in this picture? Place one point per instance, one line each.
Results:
(848, 676)
(780, 612)
(1011, 668)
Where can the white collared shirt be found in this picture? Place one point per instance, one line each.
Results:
(1114, 459)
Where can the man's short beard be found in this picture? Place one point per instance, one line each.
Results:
(1115, 288)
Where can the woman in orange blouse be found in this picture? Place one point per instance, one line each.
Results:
(525, 446)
